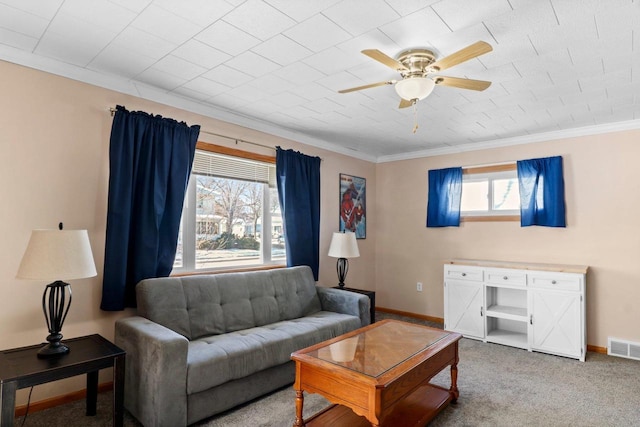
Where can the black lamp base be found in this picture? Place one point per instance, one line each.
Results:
(53, 349)
(55, 306)
(342, 267)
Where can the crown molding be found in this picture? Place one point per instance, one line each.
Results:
(517, 140)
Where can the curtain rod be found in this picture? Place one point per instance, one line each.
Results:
(237, 140)
(488, 165)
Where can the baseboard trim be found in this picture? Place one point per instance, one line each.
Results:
(596, 349)
(409, 314)
(60, 400)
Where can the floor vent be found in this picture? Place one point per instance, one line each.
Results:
(623, 348)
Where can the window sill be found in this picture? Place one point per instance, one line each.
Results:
(493, 218)
(227, 270)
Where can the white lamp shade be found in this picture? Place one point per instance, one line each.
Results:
(415, 88)
(344, 245)
(57, 255)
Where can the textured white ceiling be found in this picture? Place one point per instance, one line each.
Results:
(558, 66)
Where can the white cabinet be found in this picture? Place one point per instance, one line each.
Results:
(464, 301)
(463, 308)
(556, 324)
(537, 307)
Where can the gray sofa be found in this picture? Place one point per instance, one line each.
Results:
(203, 344)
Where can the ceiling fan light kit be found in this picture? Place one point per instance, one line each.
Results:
(415, 88)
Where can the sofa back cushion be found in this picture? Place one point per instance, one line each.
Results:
(197, 306)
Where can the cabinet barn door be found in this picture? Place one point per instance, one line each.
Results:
(556, 323)
(464, 311)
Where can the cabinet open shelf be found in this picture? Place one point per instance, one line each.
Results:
(510, 338)
(507, 312)
(507, 331)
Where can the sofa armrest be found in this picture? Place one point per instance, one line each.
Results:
(155, 373)
(345, 302)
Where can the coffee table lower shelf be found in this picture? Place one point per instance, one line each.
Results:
(417, 409)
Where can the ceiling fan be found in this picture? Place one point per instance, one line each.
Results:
(416, 67)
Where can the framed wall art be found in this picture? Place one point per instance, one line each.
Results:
(353, 205)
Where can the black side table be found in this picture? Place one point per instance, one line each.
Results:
(370, 294)
(21, 368)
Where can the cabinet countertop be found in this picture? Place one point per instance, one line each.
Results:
(562, 268)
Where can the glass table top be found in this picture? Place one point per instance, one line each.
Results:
(379, 349)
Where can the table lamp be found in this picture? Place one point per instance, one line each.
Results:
(56, 255)
(343, 246)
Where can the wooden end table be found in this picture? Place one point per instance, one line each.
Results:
(21, 368)
(378, 375)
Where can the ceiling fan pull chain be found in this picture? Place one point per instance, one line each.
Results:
(415, 116)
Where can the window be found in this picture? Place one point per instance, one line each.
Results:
(231, 216)
(490, 193)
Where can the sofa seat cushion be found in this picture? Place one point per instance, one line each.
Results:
(321, 326)
(216, 359)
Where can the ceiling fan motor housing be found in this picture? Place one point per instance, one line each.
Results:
(417, 62)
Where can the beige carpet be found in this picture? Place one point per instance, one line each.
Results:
(499, 386)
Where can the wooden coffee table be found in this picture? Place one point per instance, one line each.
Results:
(378, 375)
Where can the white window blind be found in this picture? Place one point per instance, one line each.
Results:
(221, 166)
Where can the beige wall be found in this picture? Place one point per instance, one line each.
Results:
(603, 230)
(54, 139)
